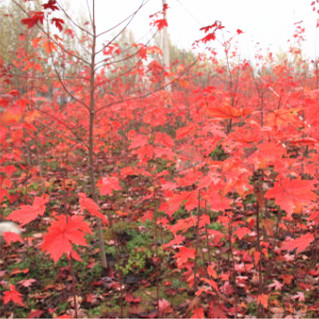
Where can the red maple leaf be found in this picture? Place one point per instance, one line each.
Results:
(64, 232)
(242, 232)
(198, 313)
(28, 213)
(227, 112)
(209, 37)
(34, 18)
(147, 216)
(58, 23)
(13, 295)
(11, 237)
(289, 194)
(108, 184)
(216, 310)
(164, 139)
(215, 25)
(35, 313)
(92, 207)
(315, 217)
(301, 243)
(184, 254)
(184, 131)
(138, 141)
(51, 4)
(263, 299)
(130, 298)
(211, 282)
(176, 241)
(160, 24)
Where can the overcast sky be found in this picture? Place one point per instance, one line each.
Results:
(267, 22)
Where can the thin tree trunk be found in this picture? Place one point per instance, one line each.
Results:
(91, 138)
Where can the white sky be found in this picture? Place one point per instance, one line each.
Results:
(267, 22)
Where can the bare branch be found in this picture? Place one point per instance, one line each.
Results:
(73, 22)
(130, 17)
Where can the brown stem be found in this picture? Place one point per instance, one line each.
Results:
(207, 240)
(197, 242)
(233, 273)
(74, 281)
(117, 260)
(157, 261)
(91, 139)
(260, 288)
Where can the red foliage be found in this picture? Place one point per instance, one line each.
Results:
(64, 232)
(28, 213)
(13, 295)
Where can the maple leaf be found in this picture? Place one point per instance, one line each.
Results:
(276, 284)
(315, 217)
(14, 113)
(35, 313)
(216, 235)
(204, 220)
(300, 296)
(13, 295)
(58, 23)
(211, 271)
(227, 112)
(130, 298)
(263, 300)
(283, 117)
(198, 313)
(19, 271)
(160, 24)
(147, 216)
(164, 139)
(184, 254)
(211, 282)
(11, 237)
(27, 282)
(49, 46)
(301, 243)
(164, 306)
(34, 18)
(138, 141)
(109, 184)
(92, 207)
(209, 37)
(28, 213)
(183, 224)
(176, 241)
(51, 4)
(64, 232)
(242, 232)
(256, 257)
(184, 131)
(69, 32)
(216, 311)
(289, 194)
